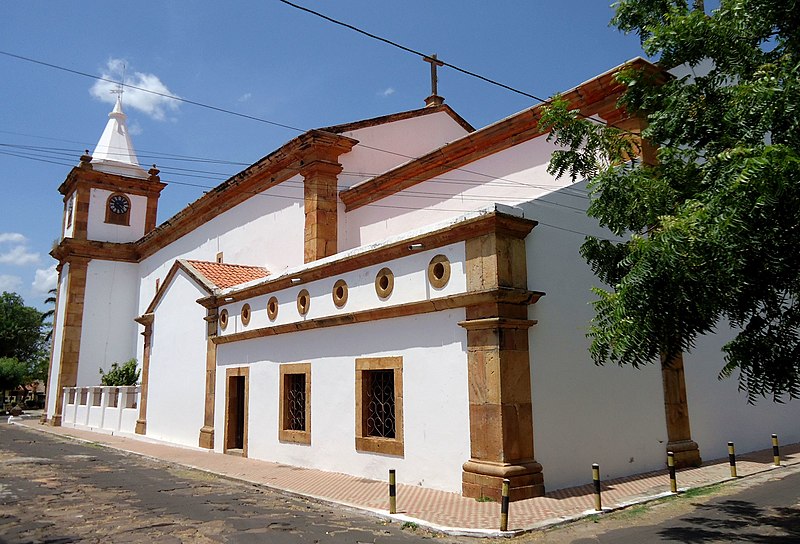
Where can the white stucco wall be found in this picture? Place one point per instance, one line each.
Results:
(265, 230)
(382, 147)
(720, 413)
(58, 336)
(176, 387)
(108, 332)
(515, 175)
(98, 229)
(435, 397)
(610, 415)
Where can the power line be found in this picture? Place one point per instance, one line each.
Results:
(410, 50)
(164, 95)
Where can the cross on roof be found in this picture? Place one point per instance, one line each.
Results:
(434, 79)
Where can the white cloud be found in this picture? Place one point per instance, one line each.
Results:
(9, 283)
(153, 105)
(386, 92)
(245, 97)
(12, 237)
(134, 129)
(45, 279)
(19, 256)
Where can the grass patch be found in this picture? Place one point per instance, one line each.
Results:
(701, 491)
(484, 498)
(410, 525)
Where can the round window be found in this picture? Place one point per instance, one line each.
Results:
(272, 308)
(303, 302)
(384, 283)
(439, 271)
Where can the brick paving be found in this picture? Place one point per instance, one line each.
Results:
(435, 509)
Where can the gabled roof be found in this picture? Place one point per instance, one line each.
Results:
(208, 276)
(400, 116)
(597, 96)
(224, 275)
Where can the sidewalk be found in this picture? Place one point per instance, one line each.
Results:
(439, 510)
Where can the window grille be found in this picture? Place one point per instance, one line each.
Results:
(296, 402)
(380, 406)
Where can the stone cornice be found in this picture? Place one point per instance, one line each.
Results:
(494, 221)
(501, 295)
(71, 248)
(278, 166)
(88, 177)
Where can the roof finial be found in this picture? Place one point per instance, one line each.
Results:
(119, 90)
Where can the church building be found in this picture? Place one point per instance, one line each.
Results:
(400, 292)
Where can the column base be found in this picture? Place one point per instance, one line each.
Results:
(55, 421)
(207, 437)
(43, 420)
(141, 426)
(687, 453)
(485, 479)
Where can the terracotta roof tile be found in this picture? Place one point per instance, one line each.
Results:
(225, 275)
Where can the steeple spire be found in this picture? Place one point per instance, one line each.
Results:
(114, 152)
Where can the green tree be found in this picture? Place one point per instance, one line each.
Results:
(712, 226)
(20, 329)
(12, 373)
(125, 374)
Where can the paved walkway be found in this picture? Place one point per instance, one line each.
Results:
(439, 510)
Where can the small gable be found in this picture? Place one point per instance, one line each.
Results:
(224, 275)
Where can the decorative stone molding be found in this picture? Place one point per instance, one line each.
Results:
(147, 321)
(272, 308)
(339, 293)
(439, 271)
(384, 283)
(303, 302)
(69, 353)
(498, 360)
(206, 439)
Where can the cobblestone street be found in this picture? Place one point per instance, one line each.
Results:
(58, 491)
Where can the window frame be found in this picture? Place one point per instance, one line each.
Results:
(284, 433)
(377, 444)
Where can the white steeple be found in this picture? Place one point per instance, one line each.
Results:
(114, 151)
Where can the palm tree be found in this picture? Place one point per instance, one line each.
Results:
(49, 313)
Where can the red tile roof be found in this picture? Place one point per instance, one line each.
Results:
(227, 275)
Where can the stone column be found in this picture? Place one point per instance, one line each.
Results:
(320, 192)
(207, 430)
(146, 320)
(676, 408)
(69, 351)
(498, 358)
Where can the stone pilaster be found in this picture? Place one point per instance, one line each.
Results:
(69, 351)
(207, 430)
(320, 192)
(147, 321)
(498, 359)
(676, 408)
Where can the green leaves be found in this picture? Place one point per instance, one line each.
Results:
(120, 375)
(713, 228)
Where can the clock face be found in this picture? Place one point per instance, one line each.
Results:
(118, 204)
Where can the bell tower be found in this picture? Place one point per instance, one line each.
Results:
(110, 202)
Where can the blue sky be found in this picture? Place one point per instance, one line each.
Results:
(263, 59)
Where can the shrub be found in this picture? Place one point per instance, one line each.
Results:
(127, 374)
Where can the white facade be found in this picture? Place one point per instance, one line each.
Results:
(581, 413)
